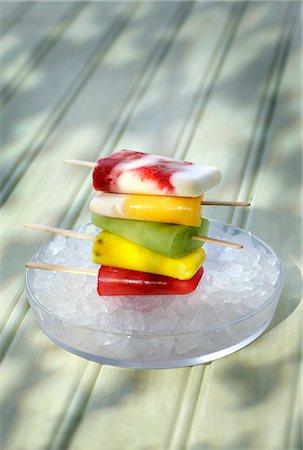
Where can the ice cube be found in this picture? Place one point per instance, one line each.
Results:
(233, 270)
(271, 274)
(56, 245)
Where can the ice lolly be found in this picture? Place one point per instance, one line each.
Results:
(115, 281)
(132, 172)
(154, 208)
(112, 250)
(174, 241)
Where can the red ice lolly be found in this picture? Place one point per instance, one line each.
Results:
(116, 281)
(132, 172)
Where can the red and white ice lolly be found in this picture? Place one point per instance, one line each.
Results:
(132, 172)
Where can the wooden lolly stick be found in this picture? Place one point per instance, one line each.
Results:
(77, 162)
(77, 235)
(55, 268)
(214, 203)
(70, 233)
(217, 241)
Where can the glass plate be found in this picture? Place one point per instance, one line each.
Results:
(161, 350)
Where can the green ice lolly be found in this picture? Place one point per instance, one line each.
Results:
(174, 241)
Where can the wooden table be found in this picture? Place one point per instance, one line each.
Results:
(209, 82)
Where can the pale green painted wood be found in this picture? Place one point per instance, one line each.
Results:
(75, 409)
(11, 12)
(107, 80)
(226, 125)
(145, 130)
(33, 194)
(80, 390)
(12, 323)
(252, 399)
(131, 409)
(100, 433)
(295, 419)
(61, 183)
(30, 40)
(185, 411)
(38, 381)
(132, 398)
(157, 122)
(32, 413)
(32, 115)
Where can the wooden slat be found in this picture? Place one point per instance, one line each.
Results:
(61, 184)
(184, 414)
(32, 185)
(181, 431)
(76, 407)
(221, 133)
(142, 411)
(29, 118)
(201, 59)
(250, 400)
(113, 402)
(99, 426)
(175, 86)
(252, 149)
(11, 12)
(130, 407)
(156, 22)
(12, 324)
(121, 90)
(99, 431)
(30, 40)
(294, 439)
(38, 381)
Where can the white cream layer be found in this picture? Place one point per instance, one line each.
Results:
(188, 181)
(144, 161)
(132, 183)
(195, 180)
(110, 205)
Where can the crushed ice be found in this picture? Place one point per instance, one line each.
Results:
(235, 283)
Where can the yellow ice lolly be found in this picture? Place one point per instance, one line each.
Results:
(112, 250)
(154, 208)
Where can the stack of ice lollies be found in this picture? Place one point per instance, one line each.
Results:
(149, 208)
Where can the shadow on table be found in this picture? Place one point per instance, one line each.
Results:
(241, 86)
(289, 301)
(238, 444)
(245, 442)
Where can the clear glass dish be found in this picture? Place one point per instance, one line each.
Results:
(160, 349)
